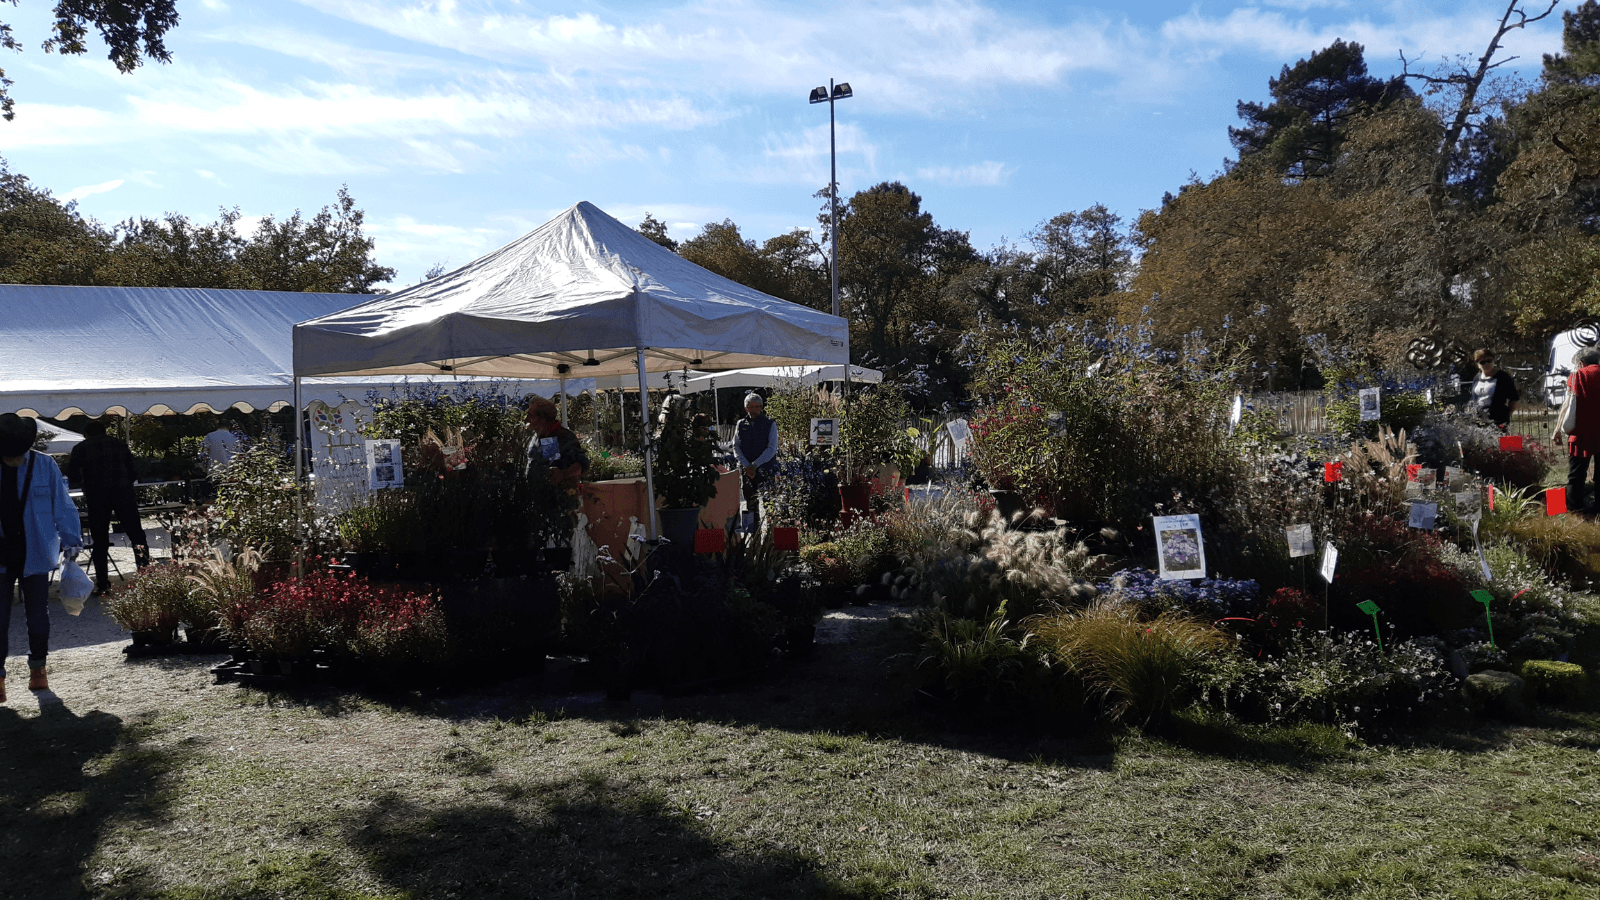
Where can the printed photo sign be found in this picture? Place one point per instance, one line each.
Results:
(383, 464)
(1179, 547)
(1370, 410)
(824, 432)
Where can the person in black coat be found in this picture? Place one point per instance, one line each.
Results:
(103, 466)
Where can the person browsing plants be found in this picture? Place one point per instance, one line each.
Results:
(1583, 442)
(755, 445)
(103, 467)
(38, 523)
(553, 446)
(1494, 393)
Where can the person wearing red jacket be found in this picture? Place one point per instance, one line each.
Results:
(1583, 442)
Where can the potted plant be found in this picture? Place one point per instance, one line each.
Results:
(151, 606)
(873, 437)
(686, 472)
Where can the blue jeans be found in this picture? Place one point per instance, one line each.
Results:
(35, 594)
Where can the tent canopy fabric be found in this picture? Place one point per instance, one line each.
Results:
(93, 350)
(581, 287)
(772, 376)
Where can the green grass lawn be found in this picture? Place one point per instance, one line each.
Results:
(831, 780)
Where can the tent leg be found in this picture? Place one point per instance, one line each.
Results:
(563, 400)
(299, 478)
(649, 451)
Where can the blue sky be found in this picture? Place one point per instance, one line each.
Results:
(460, 125)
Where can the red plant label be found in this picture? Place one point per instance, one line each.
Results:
(1332, 472)
(710, 540)
(1511, 442)
(1412, 470)
(1555, 501)
(786, 538)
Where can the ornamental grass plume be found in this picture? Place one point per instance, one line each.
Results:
(1139, 668)
(969, 564)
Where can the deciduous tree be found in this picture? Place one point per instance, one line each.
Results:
(132, 30)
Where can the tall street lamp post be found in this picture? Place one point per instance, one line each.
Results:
(828, 95)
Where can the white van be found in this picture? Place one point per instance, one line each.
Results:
(1562, 348)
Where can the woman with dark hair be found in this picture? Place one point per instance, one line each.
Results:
(38, 522)
(1494, 393)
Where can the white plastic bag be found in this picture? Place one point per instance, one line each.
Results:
(75, 587)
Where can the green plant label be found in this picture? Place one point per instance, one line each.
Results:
(1369, 607)
(1483, 597)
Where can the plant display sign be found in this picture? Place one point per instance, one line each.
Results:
(1426, 479)
(1370, 405)
(1511, 442)
(1179, 546)
(1423, 515)
(383, 465)
(1455, 477)
(1555, 501)
(1330, 561)
(1469, 505)
(1332, 472)
(1485, 598)
(1371, 608)
(1300, 542)
(824, 432)
(1483, 561)
(1236, 415)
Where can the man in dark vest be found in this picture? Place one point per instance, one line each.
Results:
(103, 466)
(755, 444)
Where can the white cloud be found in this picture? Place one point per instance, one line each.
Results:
(78, 193)
(984, 174)
(210, 176)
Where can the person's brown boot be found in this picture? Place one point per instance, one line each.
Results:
(37, 680)
(2, 690)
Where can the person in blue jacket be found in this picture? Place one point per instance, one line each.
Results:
(38, 522)
(755, 444)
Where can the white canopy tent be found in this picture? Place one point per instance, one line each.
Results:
(94, 350)
(581, 294)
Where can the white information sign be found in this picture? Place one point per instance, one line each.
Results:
(1179, 547)
(1300, 541)
(383, 464)
(824, 432)
(1330, 561)
(1370, 410)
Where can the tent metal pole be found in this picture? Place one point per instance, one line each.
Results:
(649, 449)
(563, 400)
(299, 478)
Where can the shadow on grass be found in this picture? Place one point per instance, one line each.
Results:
(52, 810)
(579, 838)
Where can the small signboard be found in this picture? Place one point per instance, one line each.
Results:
(824, 432)
(1181, 552)
(383, 464)
(1370, 409)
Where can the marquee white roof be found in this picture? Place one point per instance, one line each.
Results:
(92, 350)
(582, 286)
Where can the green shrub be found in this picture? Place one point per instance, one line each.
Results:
(1341, 679)
(1140, 667)
(1099, 425)
(1556, 682)
(258, 501)
(975, 662)
(1399, 410)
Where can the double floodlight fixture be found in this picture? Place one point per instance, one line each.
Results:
(821, 95)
